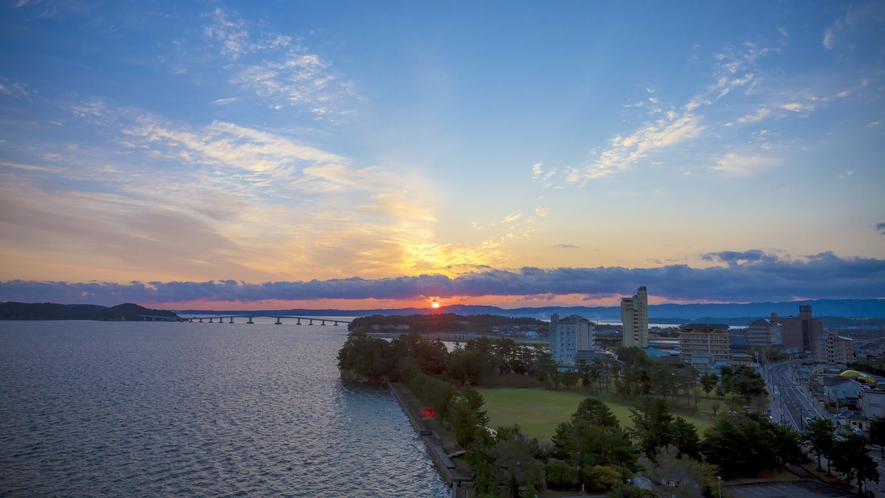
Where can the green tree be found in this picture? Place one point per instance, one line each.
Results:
(367, 358)
(684, 436)
(746, 444)
(570, 378)
(651, 425)
(465, 417)
(468, 366)
(715, 407)
(819, 434)
(708, 382)
(852, 459)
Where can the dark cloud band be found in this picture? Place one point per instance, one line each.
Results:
(750, 276)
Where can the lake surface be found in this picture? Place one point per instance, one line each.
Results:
(190, 409)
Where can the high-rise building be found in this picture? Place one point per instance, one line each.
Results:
(834, 349)
(802, 332)
(634, 316)
(568, 336)
(764, 333)
(707, 339)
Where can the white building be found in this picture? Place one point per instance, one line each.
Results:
(764, 333)
(834, 349)
(634, 316)
(568, 336)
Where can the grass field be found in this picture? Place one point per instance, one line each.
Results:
(538, 411)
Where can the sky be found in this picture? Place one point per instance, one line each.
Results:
(261, 155)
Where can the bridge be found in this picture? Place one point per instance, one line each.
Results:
(249, 318)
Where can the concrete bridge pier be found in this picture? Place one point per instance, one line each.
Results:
(299, 322)
(336, 324)
(311, 321)
(210, 320)
(231, 320)
(250, 322)
(221, 319)
(278, 321)
(323, 323)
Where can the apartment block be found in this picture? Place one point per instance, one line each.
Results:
(704, 339)
(834, 349)
(634, 316)
(800, 332)
(764, 333)
(568, 336)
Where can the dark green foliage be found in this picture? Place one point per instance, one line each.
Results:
(684, 436)
(464, 417)
(708, 382)
(819, 434)
(852, 459)
(430, 355)
(468, 367)
(560, 474)
(507, 459)
(593, 437)
(745, 445)
(651, 425)
(367, 358)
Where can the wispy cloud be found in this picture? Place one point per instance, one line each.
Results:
(881, 228)
(735, 164)
(277, 68)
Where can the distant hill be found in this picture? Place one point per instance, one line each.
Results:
(661, 313)
(52, 311)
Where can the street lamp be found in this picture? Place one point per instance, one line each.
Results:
(719, 478)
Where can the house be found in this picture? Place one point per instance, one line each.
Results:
(841, 389)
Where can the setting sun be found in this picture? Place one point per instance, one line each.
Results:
(435, 304)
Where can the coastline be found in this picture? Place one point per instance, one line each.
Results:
(459, 481)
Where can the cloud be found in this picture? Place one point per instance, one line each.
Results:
(276, 68)
(738, 165)
(829, 38)
(750, 276)
(881, 228)
(624, 151)
(566, 246)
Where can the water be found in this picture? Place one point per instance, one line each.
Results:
(188, 409)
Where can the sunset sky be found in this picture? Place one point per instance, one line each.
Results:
(383, 154)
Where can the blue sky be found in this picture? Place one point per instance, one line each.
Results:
(351, 154)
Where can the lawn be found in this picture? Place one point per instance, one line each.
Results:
(539, 411)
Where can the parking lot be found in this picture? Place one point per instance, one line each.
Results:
(805, 488)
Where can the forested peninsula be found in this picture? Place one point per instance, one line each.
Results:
(444, 322)
(53, 311)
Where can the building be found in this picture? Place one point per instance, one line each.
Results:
(802, 332)
(704, 338)
(833, 349)
(634, 316)
(872, 402)
(764, 333)
(841, 389)
(568, 336)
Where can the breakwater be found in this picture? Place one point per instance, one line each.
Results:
(458, 476)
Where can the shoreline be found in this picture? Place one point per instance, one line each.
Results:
(458, 483)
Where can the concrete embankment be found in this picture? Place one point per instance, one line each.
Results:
(457, 479)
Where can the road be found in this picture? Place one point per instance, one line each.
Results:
(791, 402)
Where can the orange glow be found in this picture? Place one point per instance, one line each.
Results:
(435, 304)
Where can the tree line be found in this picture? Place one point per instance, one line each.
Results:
(443, 323)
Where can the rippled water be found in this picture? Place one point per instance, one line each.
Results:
(147, 409)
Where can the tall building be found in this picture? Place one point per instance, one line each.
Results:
(764, 333)
(834, 349)
(568, 336)
(802, 332)
(634, 316)
(707, 339)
